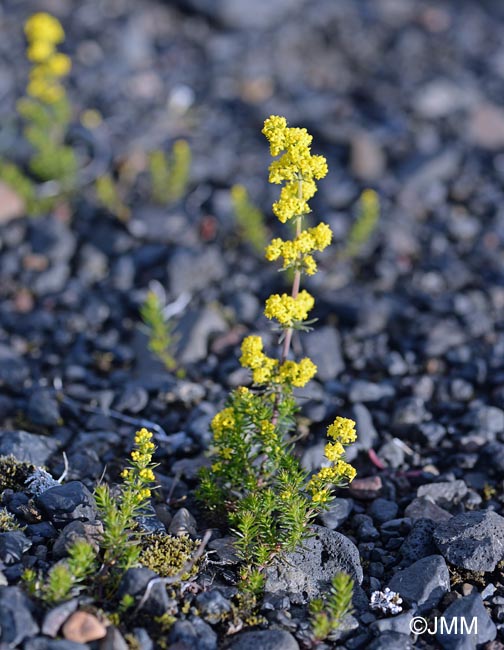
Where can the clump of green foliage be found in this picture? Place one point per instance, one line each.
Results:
(8, 522)
(67, 577)
(249, 218)
(167, 555)
(161, 339)
(108, 195)
(120, 547)
(255, 477)
(365, 224)
(327, 613)
(120, 542)
(13, 473)
(169, 175)
(46, 112)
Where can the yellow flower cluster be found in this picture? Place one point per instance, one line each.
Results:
(288, 310)
(297, 167)
(297, 253)
(140, 473)
(222, 422)
(263, 367)
(297, 374)
(342, 431)
(266, 370)
(145, 446)
(44, 32)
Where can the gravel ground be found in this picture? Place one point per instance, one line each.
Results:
(403, 96)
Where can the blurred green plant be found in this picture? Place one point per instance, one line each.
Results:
(327, 613)
(109, 196)
(161, 338)
(169, 175)
(249, 218)
(365, 224)
(46, 113)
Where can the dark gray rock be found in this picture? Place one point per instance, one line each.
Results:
(409, 410)
(391, 641)
(337, 513)
(419, 543)
(134, 399)
(193, 633)
(16, 620)
(368, 436)
(445, 494)
(309, 570)
(43, 643)
(400, 624)
(43, 409)
(240, 14)
(442, 336)
(212, 606)
(12, 547)
(323, 346)
(392, 452)
(472, 625)
(87, 530)
(487, 419)
(134, 583)
(55, 617)
(14, 370)
(422, 508)
(264, 639)
(472, 540)
(366, 391)
(27, 447)
(431, 432)
(68, 502)
(194, 332)
(191, 271)
(493, 454)
(423, 584)
(383, 510)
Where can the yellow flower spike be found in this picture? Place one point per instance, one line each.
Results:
(44, 27)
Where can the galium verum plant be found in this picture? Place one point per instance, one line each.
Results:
(46, 112)
(119, 545)
(269, 498)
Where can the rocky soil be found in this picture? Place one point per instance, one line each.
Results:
(403, 96)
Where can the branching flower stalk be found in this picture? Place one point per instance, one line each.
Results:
(270, 500)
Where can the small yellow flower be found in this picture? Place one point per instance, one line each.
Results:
(288, 310)
(44, 27)
(342, 430)
(59, 64)
(333, 451)
(40, 51)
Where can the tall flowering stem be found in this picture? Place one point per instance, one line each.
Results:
(269, 498)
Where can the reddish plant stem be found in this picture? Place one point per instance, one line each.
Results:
(288, 333)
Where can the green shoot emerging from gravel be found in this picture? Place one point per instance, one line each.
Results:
(327, 614)
(365, 225)
(160, 332)
(169, 176)
(120, 548)
(269, 498)
(65, 578)
(249, 219)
